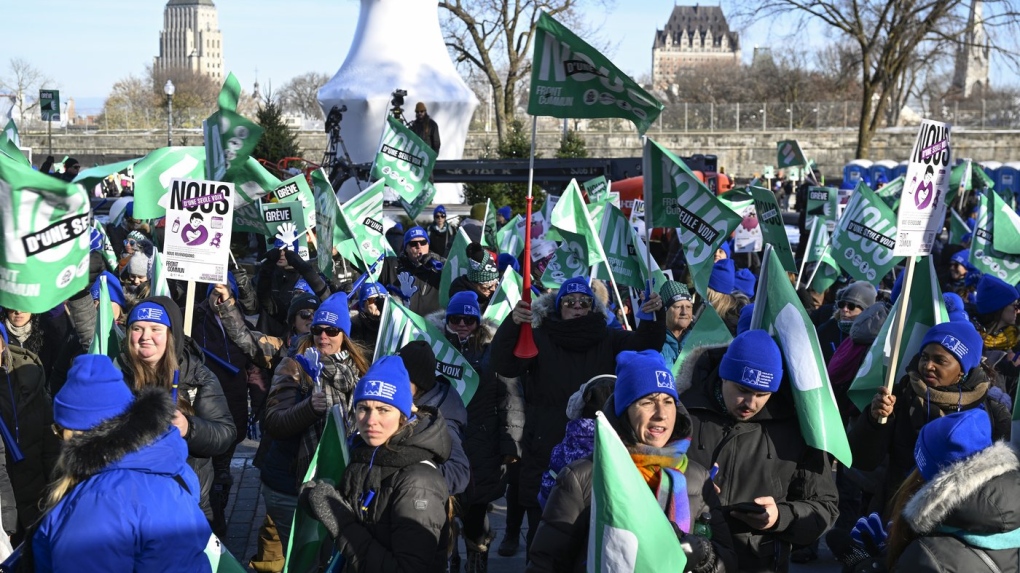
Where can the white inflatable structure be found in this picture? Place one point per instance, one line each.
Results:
(399, 45)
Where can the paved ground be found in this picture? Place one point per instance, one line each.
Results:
(246, 511)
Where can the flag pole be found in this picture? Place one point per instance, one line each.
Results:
(616, 289)
(897, 334)
(803, 261)
(525, 347)
(818, 265)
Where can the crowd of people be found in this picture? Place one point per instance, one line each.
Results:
(124, 463)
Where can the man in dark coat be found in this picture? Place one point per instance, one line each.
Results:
(425, 127)
(415, 274)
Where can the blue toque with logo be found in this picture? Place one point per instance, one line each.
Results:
(753, 360)
(149, 311)
(574, 285)
(464, 303)
(439, 210)
(415, 233)
(949, 439)
(369, 290)
(335, 312)
(639, 374)
(386, 381)
(959, 339)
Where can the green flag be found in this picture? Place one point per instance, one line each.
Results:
(157, 275)
(621, 256)
(155, 171)
(566, 264)
(109, 255)
(891, 192)
(818, 252)
(327, 209)
(89, 178)
(958, 227)
(569, 78)
(597, 189)
(864, 238)
(404, 162)
(571, 218)
(822, 202)
(629, 532)
(511, 237)
(773, 230)
(221, 560)
(778, 311)
(414, 208)
(926, 309)
(1006, 223)
(11, 133)
(329, 462)
(788, 154)
(489, 226)
(229, 137)
(456, 265)
(364, 211)
(674, 197)
(105, 339)
(398, 326)
(507, 294)
(708, 330)
(9, 142)
(296, 189)
(248, 219)
(44, 222)
(983, 254)
(251, 181)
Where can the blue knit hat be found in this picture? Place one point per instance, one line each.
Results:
(753, 360)
(439, 209)
(507, 260)
(949, 439)
(725, 246)
(722, 278)
(961, 258)
(744, 281)
(574, 285)
(335, 312)
(506, 211)
(369, 290)
(639, 374)
(95, 391)
(150, 311)
(958, 338)
(415, 233)
(954, 306)
(994, 294)
(464, 303)
(112, 285)
(386, 381)
(744, 322)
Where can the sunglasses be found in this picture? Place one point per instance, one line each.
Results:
(440, 216)
(462, 320)
(57, 430)
(848, 305)
(329, 330)
(130, 242)
(306, 314)
(577, 302)
(417, 243)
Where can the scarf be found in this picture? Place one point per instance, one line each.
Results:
(576, 334)
(846, 361)
(1005, 339)
(931, 403)
(338, 380)
(20, 332)
(663, 470)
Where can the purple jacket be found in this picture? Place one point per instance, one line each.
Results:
(579, 442)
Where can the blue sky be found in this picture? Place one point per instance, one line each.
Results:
(87, 46)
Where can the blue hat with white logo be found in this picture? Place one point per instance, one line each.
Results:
(753, 360)
(415, 233)
(370, 290)
(335, 312)
(149, 311)
(959, 339)
(574, 285)
(386, 381)
(639, 374)
(464, 303)
(949, 439)
(113, 286)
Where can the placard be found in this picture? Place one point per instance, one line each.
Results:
(197, 243)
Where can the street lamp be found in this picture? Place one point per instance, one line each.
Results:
(168, 89)
(789, 110)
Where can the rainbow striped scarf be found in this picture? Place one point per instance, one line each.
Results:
(670, 460)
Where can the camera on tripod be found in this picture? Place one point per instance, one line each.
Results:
(334, 117)
(398, 102)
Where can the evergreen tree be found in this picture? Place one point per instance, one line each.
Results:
(516, 145)
(279, 140)
(572, 146)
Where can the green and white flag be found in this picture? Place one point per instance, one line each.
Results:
(89, 178)
(675, 197)
(248, 219)
(329, 463)
(398, 326)
(105, 339)
(957, 228)
(414, 208)
(568, 262)
(773, 230)
(456, 265)
(221, 560)
(788, 154)
(327, 211)
(708, 330)
(157, 274)
(511, 237)
(404, 162)
(1006, 223)
(44, 222)
(229, 137)
(615, 233)
(823, 202)
(364, 214)
(569, 78)
(251, 181)
(891, 192)
(9, 142)
(629, 532)
(155, 171)
(489, 226)
(507, 294)
(296, 189)
(778, 311)
(819, 253)
(597, 189)
(11, 133)
(109, 255)
(865, 236)
(571, 218)
(983, 254)
(926, 309)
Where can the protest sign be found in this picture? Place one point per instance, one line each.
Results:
(823, 202)
(788, 155)
(197, 243)
(283, 222)
(864, 239)
(922, 209)
(404, 162)
(597, 188)
(773, 231)
(296, 189)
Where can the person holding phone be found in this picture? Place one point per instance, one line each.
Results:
(775, 490)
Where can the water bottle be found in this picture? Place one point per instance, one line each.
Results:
(703, 525)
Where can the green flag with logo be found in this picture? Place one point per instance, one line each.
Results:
(11, 133)
(44, 222)
(251, 181)
(507, 294)
(864, 238)
(773, 230)
(296, 189)
(957, 228)
(983, 254)
(569, 78)
(399, 325)
(511, 237)
(819, 253)
(708, 330)
(1006, 223)
(109, 255)
(778, 311)
(621, 256)
(675, 197)
(788, 154)
(568, 262)
(926, 309)
(629, 532)
(9, 142)
(822, 202)
(571, 218)
(891, 192)
(229, 137)
(597, 189)
(489, 226)
(364, 212)
(105, 339)
(329, 463)
(327, 209)
(456, 265)
(404, 162)
(248, 219)
(154, 173)
(423, 199)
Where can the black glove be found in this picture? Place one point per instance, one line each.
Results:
(325, 503)
(97, 264)
(295, 260)
(700, 553)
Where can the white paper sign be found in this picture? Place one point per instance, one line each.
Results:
(922, 209)
(197, 243)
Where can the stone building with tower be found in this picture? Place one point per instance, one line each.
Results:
(191, 39)
(970, 76)
(694, 36)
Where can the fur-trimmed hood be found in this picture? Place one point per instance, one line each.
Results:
(975, 494)
(545, 306)
(117, 441)
(685, 377)
(485, 333)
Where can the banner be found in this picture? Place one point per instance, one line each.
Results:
(571, 79)
(456, 265)
(507, 294)
(923, 204)
(229, 137)
(44, 258)
(674, 197)
(773, 230)
(296, 189)
(788, 154)
(983, 255)
(1006, 223)
(327, 210)
(778, 311)
(197, 243)
(865, 236)
(398, 326)
(629, 531)
(404, 162)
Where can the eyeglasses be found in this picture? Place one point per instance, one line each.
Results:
(584, 303)
(306, 314)
(848, 305)
(58, 430)
(417, 243)
(329, 330)
(462, 320)
(440, 215)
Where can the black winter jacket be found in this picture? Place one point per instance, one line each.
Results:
(425, 278)
(765, 456)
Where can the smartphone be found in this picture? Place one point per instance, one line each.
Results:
(745, 507)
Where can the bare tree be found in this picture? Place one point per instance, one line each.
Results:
(301, 95)
(130, 104)
(140, 102)
(24, 80)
